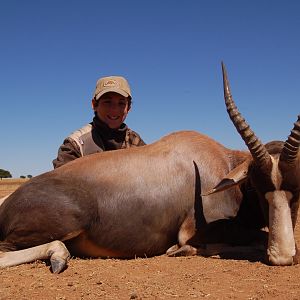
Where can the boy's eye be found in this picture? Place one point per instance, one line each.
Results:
(109, 102)
(106, 101)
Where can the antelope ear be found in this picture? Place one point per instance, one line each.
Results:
(234, 177)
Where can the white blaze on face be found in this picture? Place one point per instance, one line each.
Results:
(281, 245)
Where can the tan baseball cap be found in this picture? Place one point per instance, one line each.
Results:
(115, 84)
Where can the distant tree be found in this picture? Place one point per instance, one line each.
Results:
(4, 174)
(29, 176)
(22, 176)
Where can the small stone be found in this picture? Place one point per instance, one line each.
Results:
(134, 295)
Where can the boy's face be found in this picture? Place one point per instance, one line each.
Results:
(112, 109)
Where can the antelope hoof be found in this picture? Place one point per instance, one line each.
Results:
(172, 249)
(185, 250)
(58, 265)
(59, 256)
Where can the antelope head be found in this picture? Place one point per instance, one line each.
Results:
(274, 172)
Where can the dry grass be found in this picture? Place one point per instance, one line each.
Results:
(8, 185)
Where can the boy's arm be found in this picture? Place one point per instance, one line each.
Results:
(68, 151)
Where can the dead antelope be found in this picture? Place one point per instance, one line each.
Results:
(145, 201)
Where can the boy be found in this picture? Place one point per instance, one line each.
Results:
(111, 104)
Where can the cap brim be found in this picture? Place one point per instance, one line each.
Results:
(114, 90)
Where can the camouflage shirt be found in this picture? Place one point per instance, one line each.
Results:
(96, 137)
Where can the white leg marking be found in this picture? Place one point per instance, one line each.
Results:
(56, 251)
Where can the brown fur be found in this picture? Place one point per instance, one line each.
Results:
(130, 201)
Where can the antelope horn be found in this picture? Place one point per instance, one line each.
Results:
(255, 146)
(291, 146)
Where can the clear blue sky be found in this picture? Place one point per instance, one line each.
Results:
(52, 53)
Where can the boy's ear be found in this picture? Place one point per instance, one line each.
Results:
(129, 103)
(94, 103)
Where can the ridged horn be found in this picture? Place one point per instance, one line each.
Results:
(255, 146)
(291, 146)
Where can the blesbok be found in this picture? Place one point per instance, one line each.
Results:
(147, 201)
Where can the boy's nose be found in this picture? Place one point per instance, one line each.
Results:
(114, 107)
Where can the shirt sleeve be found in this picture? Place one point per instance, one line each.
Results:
(67, 152)
(134, 139)
(141, 142)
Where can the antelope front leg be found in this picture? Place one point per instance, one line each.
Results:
(56, 251)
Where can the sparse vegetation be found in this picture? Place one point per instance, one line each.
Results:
(4, 174)
(8, 186)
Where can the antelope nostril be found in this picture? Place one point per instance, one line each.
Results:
(296, 259)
